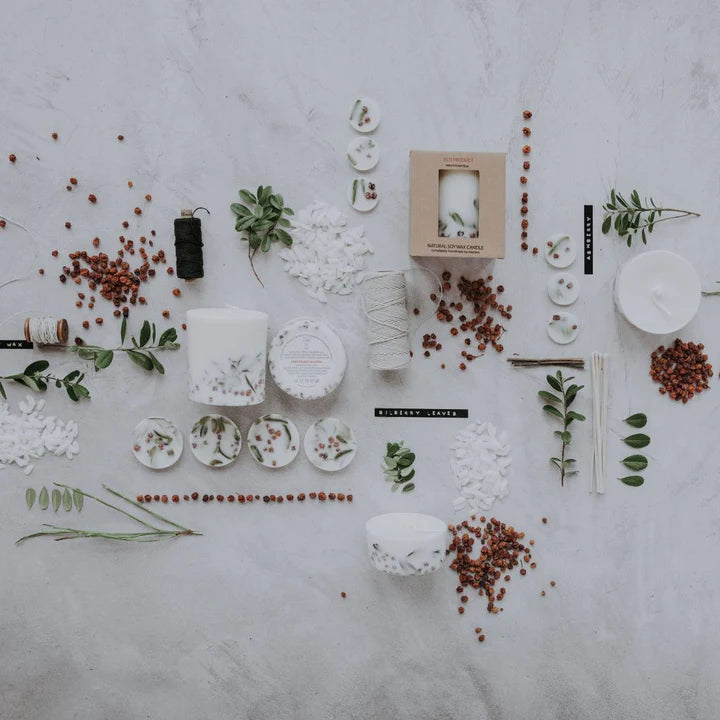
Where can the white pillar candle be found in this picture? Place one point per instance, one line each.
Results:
(658, 291)
(458, 203)
(406, 543)
(227, 349)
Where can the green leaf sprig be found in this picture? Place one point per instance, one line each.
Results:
(636, 463)
(262, 221)
(35, 378)
(397, 466)
(140, 351)
(67, 498)
(559, 406)
(629, 217)
(150, 532)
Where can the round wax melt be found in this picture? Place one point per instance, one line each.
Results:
(157, 443)
(215, 440)
(330, 444)
(273, 441)
(364, 115)
(563, 288)
(363, 153)
(658, 291)
(563, 328)
(560, 250)
(307, 359)
(362, 194)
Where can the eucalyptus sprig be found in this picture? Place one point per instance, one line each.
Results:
(262, 221)
(628, 217)
(35, 378)
(140, 352)
(150, 533)
(559, 406)
(398, 466)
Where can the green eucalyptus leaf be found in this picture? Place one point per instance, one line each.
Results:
(635, 462)
(632, 480)
(549, 397)
(103, 359)
(169, 336)
(123, 329)
(43, 499)
(78, 499)
(409, 487)
(572, 415)
(637, 441)
(140, 359)
(638, 420)
(67, 500)
(145, 334)
(36, 367)
(247, 196)
(30, 497)
(156, 363)
(552, 410)
(56, 498)
(554, 383)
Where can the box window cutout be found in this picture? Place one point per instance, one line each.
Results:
(458, 215)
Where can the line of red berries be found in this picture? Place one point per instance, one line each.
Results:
(322, 496)
(525, 223)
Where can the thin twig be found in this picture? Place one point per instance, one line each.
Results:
(142, 507)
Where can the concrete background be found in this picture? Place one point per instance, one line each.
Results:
(247, 621)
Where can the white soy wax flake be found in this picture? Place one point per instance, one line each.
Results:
(215, 440)
(362, 195)
(273, 440)
(157, 443)
(330, 444)
(363, 153)
(563, 328)
(30, 435)
(365, 115)
(563, 288)
(560, 250)
(480, 461)
(327, 255)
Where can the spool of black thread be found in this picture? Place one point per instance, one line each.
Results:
(188, 245)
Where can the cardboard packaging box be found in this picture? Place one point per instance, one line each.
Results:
(457, 204)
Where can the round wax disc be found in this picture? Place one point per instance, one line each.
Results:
(157, 443)
(560, 250)
(215, 440)
(363, 153)
(563, 328)
(307, 359)
(330, 444)
(273, 440)
(563, 288)
(360, 194)
(364, 115)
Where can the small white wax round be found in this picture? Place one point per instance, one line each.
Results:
(360, 194)
(363, 153)
(364, 115)
(563, 327)
(273, 441)
(227, 349)
(215, 440)
(458, 203)
(658, 291)
(330, 444)
(560, 250)
(563, 288)
(157, 443)
(406, 543)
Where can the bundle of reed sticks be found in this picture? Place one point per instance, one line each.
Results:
(577, 363)
(598, 372)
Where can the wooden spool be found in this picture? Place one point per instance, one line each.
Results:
(63, 331)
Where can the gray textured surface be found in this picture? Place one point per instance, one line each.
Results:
(247, 621)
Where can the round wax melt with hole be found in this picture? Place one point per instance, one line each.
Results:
(157, 443)
(360, 194)
(215, 440)
(560, 250)
(273, 440)
(365, 115)
(658, 291)
(563, 328)
(363, 153)
(330, 444)
(307, 359)
(563, 288)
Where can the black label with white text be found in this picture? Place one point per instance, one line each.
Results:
(422, 412)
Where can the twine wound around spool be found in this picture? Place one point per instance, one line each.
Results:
(46, 330)
(189, 245)
(385, 304)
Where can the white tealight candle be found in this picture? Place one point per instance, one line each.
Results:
(227, 349)
(658, 291)
(406, 543)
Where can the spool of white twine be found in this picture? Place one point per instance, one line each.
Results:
(385, 304)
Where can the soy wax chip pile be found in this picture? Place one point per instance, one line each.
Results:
(326, 256)
(480, 462)
(30, 435)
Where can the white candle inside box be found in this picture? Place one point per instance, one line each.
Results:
(458, 203)
(658, 291)
(406, 543)
(227, 350)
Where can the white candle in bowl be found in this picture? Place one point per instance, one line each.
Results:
(406, 543)
(227, 350)
(658, 291)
